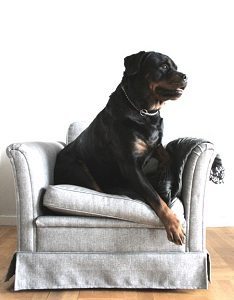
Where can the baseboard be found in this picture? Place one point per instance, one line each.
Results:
(8, 220)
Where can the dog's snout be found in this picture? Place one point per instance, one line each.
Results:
(181, 77)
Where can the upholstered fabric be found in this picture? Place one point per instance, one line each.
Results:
(33, 168)
(85, 222)
(85, 234)
(111, 270)
(74, 200)
(75, 130)
(195, 177)
(123, 257)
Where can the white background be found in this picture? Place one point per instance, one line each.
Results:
(60, 61)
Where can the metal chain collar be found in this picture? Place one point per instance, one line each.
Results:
(143, 112)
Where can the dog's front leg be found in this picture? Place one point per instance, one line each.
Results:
(142, 186)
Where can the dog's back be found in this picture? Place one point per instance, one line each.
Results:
(90, 153)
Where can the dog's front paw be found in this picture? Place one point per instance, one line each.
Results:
(175, 231)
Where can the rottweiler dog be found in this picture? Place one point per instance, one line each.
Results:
(114, 149)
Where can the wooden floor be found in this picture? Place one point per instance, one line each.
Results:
(220, 243)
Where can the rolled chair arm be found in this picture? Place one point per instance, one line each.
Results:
(33, 168)
(194, 180)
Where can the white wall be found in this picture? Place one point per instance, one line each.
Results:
(60, 61)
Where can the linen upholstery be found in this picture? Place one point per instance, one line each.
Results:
(195, 178)
(33, 165)
(104, 239)
(113, 270)
(74, 200)
(75, 130)
(108, 263)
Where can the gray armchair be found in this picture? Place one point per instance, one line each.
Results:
(71, 237)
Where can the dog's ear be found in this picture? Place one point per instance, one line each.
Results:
(133, 62)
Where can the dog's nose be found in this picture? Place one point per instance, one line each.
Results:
(184, 77)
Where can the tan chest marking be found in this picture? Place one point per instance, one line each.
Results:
(140, 147)
(156, 106)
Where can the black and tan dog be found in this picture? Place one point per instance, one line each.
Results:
(113, 150)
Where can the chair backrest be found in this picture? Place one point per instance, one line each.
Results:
(75, 130)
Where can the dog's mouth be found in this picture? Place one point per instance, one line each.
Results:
(169, 93)
(170, 89)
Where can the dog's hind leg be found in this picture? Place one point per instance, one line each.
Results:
(74, 172)
(85, 177)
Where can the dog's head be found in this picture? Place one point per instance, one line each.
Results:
(157, 73)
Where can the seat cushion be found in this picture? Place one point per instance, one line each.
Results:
(74, 200)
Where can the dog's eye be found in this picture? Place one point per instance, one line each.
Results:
(165, 67)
